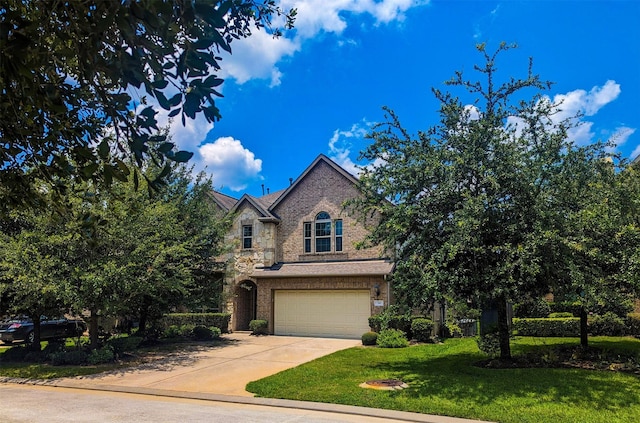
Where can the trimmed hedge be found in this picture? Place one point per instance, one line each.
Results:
(219, 320)
(569, 326)
(369, 338)
(607, 325)
(259, 327)
(633, 324)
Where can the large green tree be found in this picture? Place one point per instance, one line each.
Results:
(75, 76)
(124, 251)
(468, 205)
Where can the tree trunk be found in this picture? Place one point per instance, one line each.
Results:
(584, 336)
(35, 345)
(503, 328)
(93, 330)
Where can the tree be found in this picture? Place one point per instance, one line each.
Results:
(71, 72)
(118, 252)
(467, 205)
(34, 270)
(598, 242)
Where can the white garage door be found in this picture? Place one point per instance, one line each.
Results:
(331, 313)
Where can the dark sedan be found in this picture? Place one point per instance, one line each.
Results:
(21, 329)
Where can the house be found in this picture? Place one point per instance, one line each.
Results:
(295, 263)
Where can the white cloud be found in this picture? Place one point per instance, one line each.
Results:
(229, 163)
(636, 152)
(340, 146)
(257, 56)
(621, 135)
(587, 104)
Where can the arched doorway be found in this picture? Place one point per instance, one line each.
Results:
(246, 304)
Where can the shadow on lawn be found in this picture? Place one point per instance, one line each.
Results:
(456, 377)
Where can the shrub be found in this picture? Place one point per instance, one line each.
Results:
(532, 308)
(566, 307)
(389, 319)
(215, 332)
(606, 325)
(124, 344)
(73, 357)
(392, 338)
(489, 343)
(101, 355)
(560, 315)
(219, 320)
(421, 329)
(178, 331)
(369, 338)
(568, 326)
(202, 333)
(259, 327)
(633, 324)
(17, 353)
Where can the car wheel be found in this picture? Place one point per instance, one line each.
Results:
(31, 338)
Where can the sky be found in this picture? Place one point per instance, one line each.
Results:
(320, 87)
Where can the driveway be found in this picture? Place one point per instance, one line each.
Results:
(221, 370)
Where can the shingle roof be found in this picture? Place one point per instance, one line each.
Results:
(320, 269)
(224, 201)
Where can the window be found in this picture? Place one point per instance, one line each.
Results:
(338, 233)
(247, 236)
(307, 237)
(322, 234)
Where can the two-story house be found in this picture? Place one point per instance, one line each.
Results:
(295, 263)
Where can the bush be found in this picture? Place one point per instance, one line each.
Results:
(390, 320)
(560, 315)
(178, 331)
(101, 356)
(489, 343)
(568, 326)
(73, 358)
(392, 338)
(219, 320)
(17, 353)
(124, 344)
(259, 327)
(566, 307)
(607, 325)
(421, 329)
(633, 324)
(202, 333)
(532, 308)
(369, 338)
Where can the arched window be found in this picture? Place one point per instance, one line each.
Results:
(322, 233)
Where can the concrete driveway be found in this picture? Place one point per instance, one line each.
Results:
(222, 370)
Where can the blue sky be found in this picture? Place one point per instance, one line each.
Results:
(320, 87)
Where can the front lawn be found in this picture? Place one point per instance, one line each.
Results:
(443, 379)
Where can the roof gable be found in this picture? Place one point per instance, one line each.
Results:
(320, 159)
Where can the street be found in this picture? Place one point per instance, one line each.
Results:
(40, 404)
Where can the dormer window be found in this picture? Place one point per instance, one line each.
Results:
(322, 233)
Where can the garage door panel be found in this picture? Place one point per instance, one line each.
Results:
(335, 313)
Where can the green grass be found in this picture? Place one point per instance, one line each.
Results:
(443, 380)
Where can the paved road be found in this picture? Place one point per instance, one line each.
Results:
(41, 404)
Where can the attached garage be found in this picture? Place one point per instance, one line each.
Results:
(333, 313)
(323, 299)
